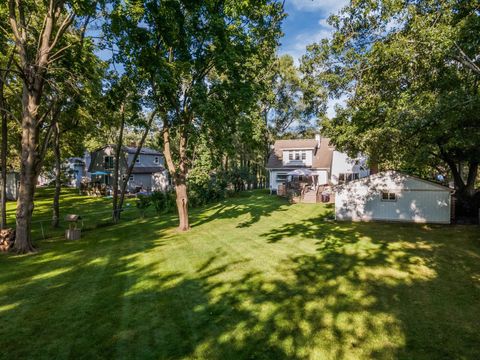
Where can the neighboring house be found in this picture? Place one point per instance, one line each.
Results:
(13, 183)
(326, 165)
(393, 196)
(345, 169)
(74, 169)
(148, 173)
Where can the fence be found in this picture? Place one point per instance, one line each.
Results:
(42, 229)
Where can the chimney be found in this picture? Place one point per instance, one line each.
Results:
(318, 139)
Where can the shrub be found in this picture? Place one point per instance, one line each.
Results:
(163, 202)
(143, 203)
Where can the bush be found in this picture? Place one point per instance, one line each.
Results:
(143, 203)
(202, 191)
(163, 202)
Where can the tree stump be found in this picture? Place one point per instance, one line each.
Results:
(7, 239)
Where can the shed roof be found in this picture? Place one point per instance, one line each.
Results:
(322, 155)
(375, 180)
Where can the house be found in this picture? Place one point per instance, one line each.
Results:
(393, 196)
(13, 183)
(74, 169)
(345, 169)
(314, 157)
(148, 174)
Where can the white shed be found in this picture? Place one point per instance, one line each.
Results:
(393, 196)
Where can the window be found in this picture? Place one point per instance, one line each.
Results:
(290, 155)
(389, 196)
(156, 160)
(304, 155)
(297, 155)
(281, 178)
(137, 160)
(131, 178)
(346, 177)
(108, 162)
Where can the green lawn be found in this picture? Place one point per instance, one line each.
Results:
(255, 278)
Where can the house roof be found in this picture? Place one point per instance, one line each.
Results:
(147, 169)
(322, 156)
(395, 175)
(132, 150)
(144, 151)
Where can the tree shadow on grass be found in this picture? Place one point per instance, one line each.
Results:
(377, 291)
(255, 204)
(396, 278)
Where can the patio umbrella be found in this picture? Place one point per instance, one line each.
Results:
(300, 172)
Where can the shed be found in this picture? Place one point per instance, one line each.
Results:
(393, 196)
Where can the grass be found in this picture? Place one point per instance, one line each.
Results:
(255, 278)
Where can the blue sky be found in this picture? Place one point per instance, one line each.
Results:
(306, 23)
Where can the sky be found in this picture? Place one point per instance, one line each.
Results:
(306, 23)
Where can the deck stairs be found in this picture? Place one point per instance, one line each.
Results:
(309, 196)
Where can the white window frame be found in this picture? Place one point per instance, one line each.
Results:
(131, 178)
(390, 196)
(281, 180)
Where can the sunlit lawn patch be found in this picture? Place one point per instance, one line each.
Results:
(254, 278)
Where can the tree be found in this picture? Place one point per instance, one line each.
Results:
(408, 70)
(37, 40)
(294, 102)
(197, 59)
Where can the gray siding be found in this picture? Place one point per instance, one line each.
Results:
(146, 160)
(97, 162)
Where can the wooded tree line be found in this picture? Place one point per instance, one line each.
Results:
(189, 78)
(202, 82)
(410, 74)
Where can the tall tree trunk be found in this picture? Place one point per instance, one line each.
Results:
(182, 203)
(3, 159)
(132, 164)
(116, 174)
(179, 174)
(58, 182)
(28, 171)
(464, 191)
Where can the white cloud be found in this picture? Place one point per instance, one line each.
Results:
(326, 6)
(297, 48)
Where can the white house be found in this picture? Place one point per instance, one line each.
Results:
(345, 169)
(318, 156)
(393, 196)
(74, 169)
